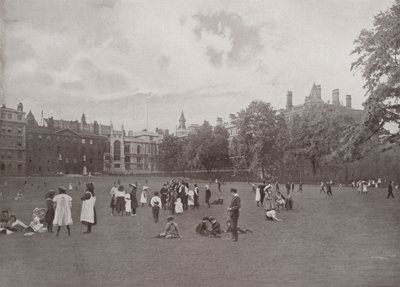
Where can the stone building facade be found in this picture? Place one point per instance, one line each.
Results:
(12, 141)
(61, 147)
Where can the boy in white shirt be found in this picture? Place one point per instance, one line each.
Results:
(155, 204)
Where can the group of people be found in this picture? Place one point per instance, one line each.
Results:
(57, 213)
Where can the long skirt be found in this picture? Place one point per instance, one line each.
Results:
(120, 206)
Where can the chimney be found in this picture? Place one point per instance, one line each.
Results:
(348, 101)
(20, 107)
(289, 100)
(232, 118)
(335, 97)
(219, 122)
(318, 88)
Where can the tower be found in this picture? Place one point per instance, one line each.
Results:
(289, 100)
(182, 122)
(83, 119)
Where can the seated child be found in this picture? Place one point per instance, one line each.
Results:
(219, 201)
(215, 227)
(178, 206)
(280, 200)
(171, 230)
(239, 229)
(19, 195)
(36, 224)
(202, 227)
(270, 214)
(16, 225)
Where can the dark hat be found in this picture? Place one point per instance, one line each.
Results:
(62, 189)
(206, 218)
(120, 188)
(211, 218)
(234, 190)
(169, 218)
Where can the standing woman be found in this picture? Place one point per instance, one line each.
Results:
(120, 200)
(208, 195)
(143, 196)
(88, 212)
(134, 202)
(196, 196)
(63, 205)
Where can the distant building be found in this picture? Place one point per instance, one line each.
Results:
(314, 99)
(133, 152)
(181, 131)
(12, 140)
(62, 147)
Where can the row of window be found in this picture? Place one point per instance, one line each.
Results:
(10, 129)
(11, 167)
(9, 116)
(12, 155)
(48, 138)
(11, 141)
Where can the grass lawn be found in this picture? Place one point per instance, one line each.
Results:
(348, 240)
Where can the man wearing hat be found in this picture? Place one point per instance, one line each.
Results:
(234, 213)
(164, 196)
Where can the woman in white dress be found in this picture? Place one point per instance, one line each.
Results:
(88, 211)
(128, 203)
(63, 205)
(143, 196)
(190, 195)
(178, 206)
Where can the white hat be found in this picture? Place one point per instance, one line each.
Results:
(145, 187)
(133, 185)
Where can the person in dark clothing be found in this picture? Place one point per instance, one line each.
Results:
(287, 188)
(390, 190)
(196, 196)
(164, 196)
(134, 201)
(202, 227)
(219, 185)
(329, 189)
(215, 227)
(234, 213)
(292, 186)
(208, 195)
(261, 188)
(300, 187)
(50, 213)
(172, 199)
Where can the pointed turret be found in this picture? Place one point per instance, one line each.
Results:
(182, 121)
(30, 120)
(83, 119)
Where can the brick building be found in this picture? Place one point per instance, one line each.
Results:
(62, 147)
(12, 140)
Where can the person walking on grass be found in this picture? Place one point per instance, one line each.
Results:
(63, 205)
(88, 212)
(234, 213)
(208, 195)
(390, 190)
(155, 203)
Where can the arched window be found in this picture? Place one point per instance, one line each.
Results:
(117, 150)
(138, 149)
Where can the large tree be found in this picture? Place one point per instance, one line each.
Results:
(259, 127)
(208, 147)
(172, 154)
(378, 52)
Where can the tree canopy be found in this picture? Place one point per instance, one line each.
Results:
(378, 52)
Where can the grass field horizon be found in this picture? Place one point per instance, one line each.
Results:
(348, 240)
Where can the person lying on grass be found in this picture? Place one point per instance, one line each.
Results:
(270, 214)
(239, 229)
(171, 230)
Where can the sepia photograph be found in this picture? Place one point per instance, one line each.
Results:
(203, 143)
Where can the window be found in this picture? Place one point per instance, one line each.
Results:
(9, 116)
(3, 115)
(138, 149)
(75, 160)
(48, 138)
(117, 150)
(19, 117)
(9, 154)
(83, 141)
(19, 130)
(19, 154)
(9, 129)
(66, 160)
(117, 165)
(139, 160)
(3, 166)
(19, 168)
(40, 168)
(127, 148)
(39, 137)
(19, 141)
(58, 138)
(91, 141)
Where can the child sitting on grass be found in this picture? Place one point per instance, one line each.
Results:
(270, 214)
(202, 227)
(171, 230)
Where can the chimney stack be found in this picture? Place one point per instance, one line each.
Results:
(289, 100)
(348, 101)
(335, 97)
(219, 121)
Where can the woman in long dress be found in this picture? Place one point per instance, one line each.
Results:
(143, 196)
(134, 201)
(190, 198)
(88, 211)
(208, 195)
(63, 205)
(120, 200)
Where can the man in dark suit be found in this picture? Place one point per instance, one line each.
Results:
(234, 213)
(390, 190)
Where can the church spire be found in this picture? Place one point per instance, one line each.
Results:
(182, 121)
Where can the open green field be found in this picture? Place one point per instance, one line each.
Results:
(347, 240)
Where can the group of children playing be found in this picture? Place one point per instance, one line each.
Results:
(209, 226)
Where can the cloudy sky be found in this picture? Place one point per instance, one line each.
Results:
(115, 59)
